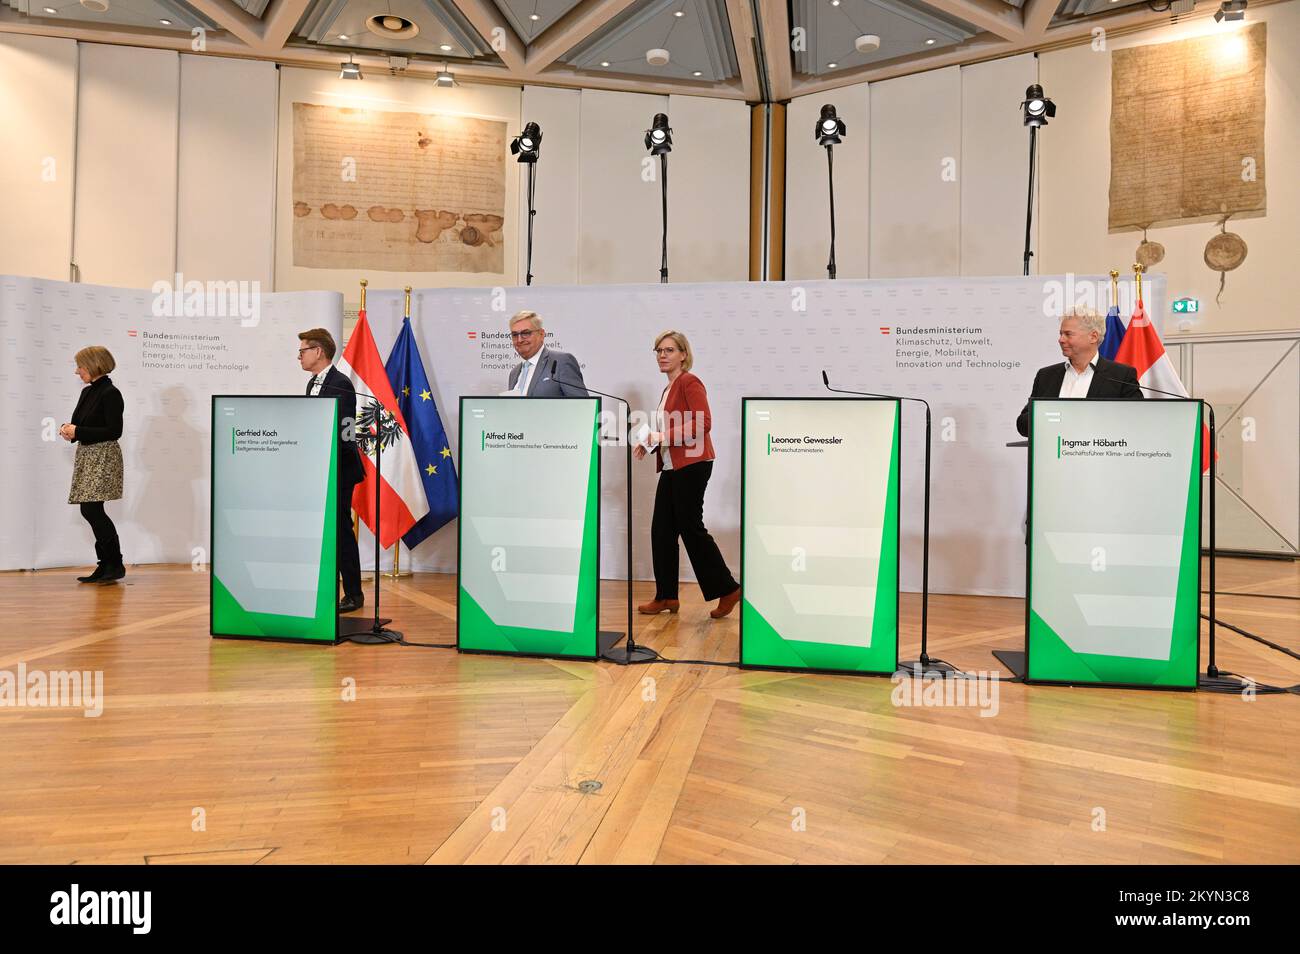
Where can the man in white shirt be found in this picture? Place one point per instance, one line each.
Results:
(544, 371)
(1083, 373)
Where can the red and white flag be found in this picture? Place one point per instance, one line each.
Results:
(1143, 350)
(402, 502)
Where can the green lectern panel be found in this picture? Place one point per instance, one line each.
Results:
(529, 561)
(819, 534)
(1114, 548)
(274, 523)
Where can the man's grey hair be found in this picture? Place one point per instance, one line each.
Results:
(1089, 320)
(530, 316)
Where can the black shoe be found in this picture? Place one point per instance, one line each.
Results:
(112, 574)
(350, 604)
(94, 577)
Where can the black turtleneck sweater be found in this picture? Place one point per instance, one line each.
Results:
(98, 417)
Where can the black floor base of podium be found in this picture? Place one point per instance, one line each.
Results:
(1013, 659)
(363, 631)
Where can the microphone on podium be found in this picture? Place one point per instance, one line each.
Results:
(631, 652)
(925, 663)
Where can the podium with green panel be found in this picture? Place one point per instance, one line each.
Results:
(273, 520)
(819, 534)
(528, 569)
(1114, 569)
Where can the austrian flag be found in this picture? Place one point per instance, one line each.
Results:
(402, 503)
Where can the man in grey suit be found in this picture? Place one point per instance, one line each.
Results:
(533, 377)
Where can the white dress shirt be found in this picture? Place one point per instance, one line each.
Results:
(1076, 384)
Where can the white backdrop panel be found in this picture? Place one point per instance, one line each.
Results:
(750, 341)
(167, 385)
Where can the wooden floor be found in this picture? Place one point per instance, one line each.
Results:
(450, 758)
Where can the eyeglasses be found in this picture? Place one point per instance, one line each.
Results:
(521, 335)
(303, 351)
(665, 351)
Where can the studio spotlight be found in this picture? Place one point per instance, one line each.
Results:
(659, 138)
(527, 144)
(830, 128)
(1038, 108)
(444, 77)
(350, 70)
(1230, 10)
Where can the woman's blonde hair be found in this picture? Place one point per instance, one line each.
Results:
(683, 345)
(97, 360)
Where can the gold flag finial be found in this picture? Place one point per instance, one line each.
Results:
(1114, 287)
(364, 283)
(1138, 269)
(407, 312)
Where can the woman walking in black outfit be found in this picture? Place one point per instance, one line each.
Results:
(97, 470)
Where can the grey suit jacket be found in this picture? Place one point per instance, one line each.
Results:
(544, 383)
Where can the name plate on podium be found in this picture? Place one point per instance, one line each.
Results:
(819, 534)
(1113, 594)
(274, 518)
(528, 570)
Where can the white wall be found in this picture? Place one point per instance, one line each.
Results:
(1075, 171)
(895, 213)
(38, 109)
(128, 104)
(226, 215)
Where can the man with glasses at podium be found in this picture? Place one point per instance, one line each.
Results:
(533, 377)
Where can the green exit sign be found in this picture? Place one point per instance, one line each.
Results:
(1186, 306)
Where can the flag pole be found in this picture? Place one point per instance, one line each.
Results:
(1114, 287)
(1137, 273)
(396, 572)
(376, 633)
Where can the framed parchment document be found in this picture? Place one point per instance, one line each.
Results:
(1187, 129)
(402, 192)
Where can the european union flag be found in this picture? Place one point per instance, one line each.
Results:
(428, 439)
(1114, 334)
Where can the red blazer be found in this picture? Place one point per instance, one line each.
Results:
(686, 432)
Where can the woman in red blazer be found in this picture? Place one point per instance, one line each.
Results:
(684, 459)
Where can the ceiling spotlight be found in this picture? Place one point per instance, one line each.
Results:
(527, 144)
(51, 11)
(657, 57)
(343, 36)
(697, 73)
(534, 17)
(1230, 10)
(165, 22)
(835, 3)
(349, 69)
(680, 13)
(929, 41)
(98, 6)
(446, 47)
(831, 66)
(444, 77)
(659, 137)
(830, 128)
(1038, 108)
(604, 62)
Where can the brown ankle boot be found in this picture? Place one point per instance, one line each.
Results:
(726, 604)
(655, 607)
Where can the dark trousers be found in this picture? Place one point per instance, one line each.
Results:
(679, 512)
(348, 556)
(107, 547)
